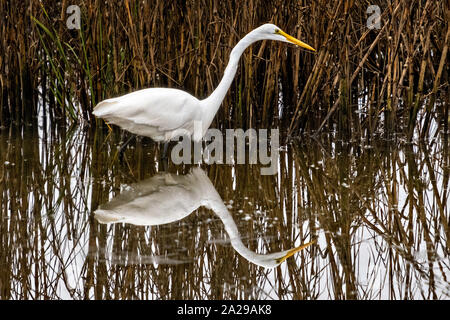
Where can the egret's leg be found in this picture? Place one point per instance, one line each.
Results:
(166, 146)
(164, 158)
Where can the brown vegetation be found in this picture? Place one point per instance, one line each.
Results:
(395, 77)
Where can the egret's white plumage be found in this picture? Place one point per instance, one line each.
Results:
(161, 199)
(159, 113)
(166, 198)
(163, 113)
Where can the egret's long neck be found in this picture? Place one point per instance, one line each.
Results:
(230, 227)
(213, 102)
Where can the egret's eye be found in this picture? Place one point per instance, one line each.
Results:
(277, 30)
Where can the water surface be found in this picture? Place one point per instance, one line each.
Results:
(377, 211)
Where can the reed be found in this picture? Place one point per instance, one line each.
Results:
(360, 80)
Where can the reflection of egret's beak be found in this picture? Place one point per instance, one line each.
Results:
(295, 41)
(293, 251)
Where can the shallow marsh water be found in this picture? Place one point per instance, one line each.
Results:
(378, 211)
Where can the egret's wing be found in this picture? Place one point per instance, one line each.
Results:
(161, 108)
(164, 205)
(161, 199)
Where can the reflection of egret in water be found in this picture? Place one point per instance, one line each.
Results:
(166, 198)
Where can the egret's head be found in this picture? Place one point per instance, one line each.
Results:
(273, 260)
(272, 32)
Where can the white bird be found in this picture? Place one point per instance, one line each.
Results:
(164, 114)
(167, 198)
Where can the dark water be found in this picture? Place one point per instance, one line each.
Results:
(378, 212)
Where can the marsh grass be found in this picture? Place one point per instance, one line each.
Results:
(359, 82)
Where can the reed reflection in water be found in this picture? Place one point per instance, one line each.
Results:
(167, 198)
(378, 210)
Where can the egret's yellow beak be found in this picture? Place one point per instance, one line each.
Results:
(293, 251)
(295, 41)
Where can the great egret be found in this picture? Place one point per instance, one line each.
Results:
(163, 113)
(166, 198)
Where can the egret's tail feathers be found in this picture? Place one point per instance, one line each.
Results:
(105, 107)
(104, 216)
